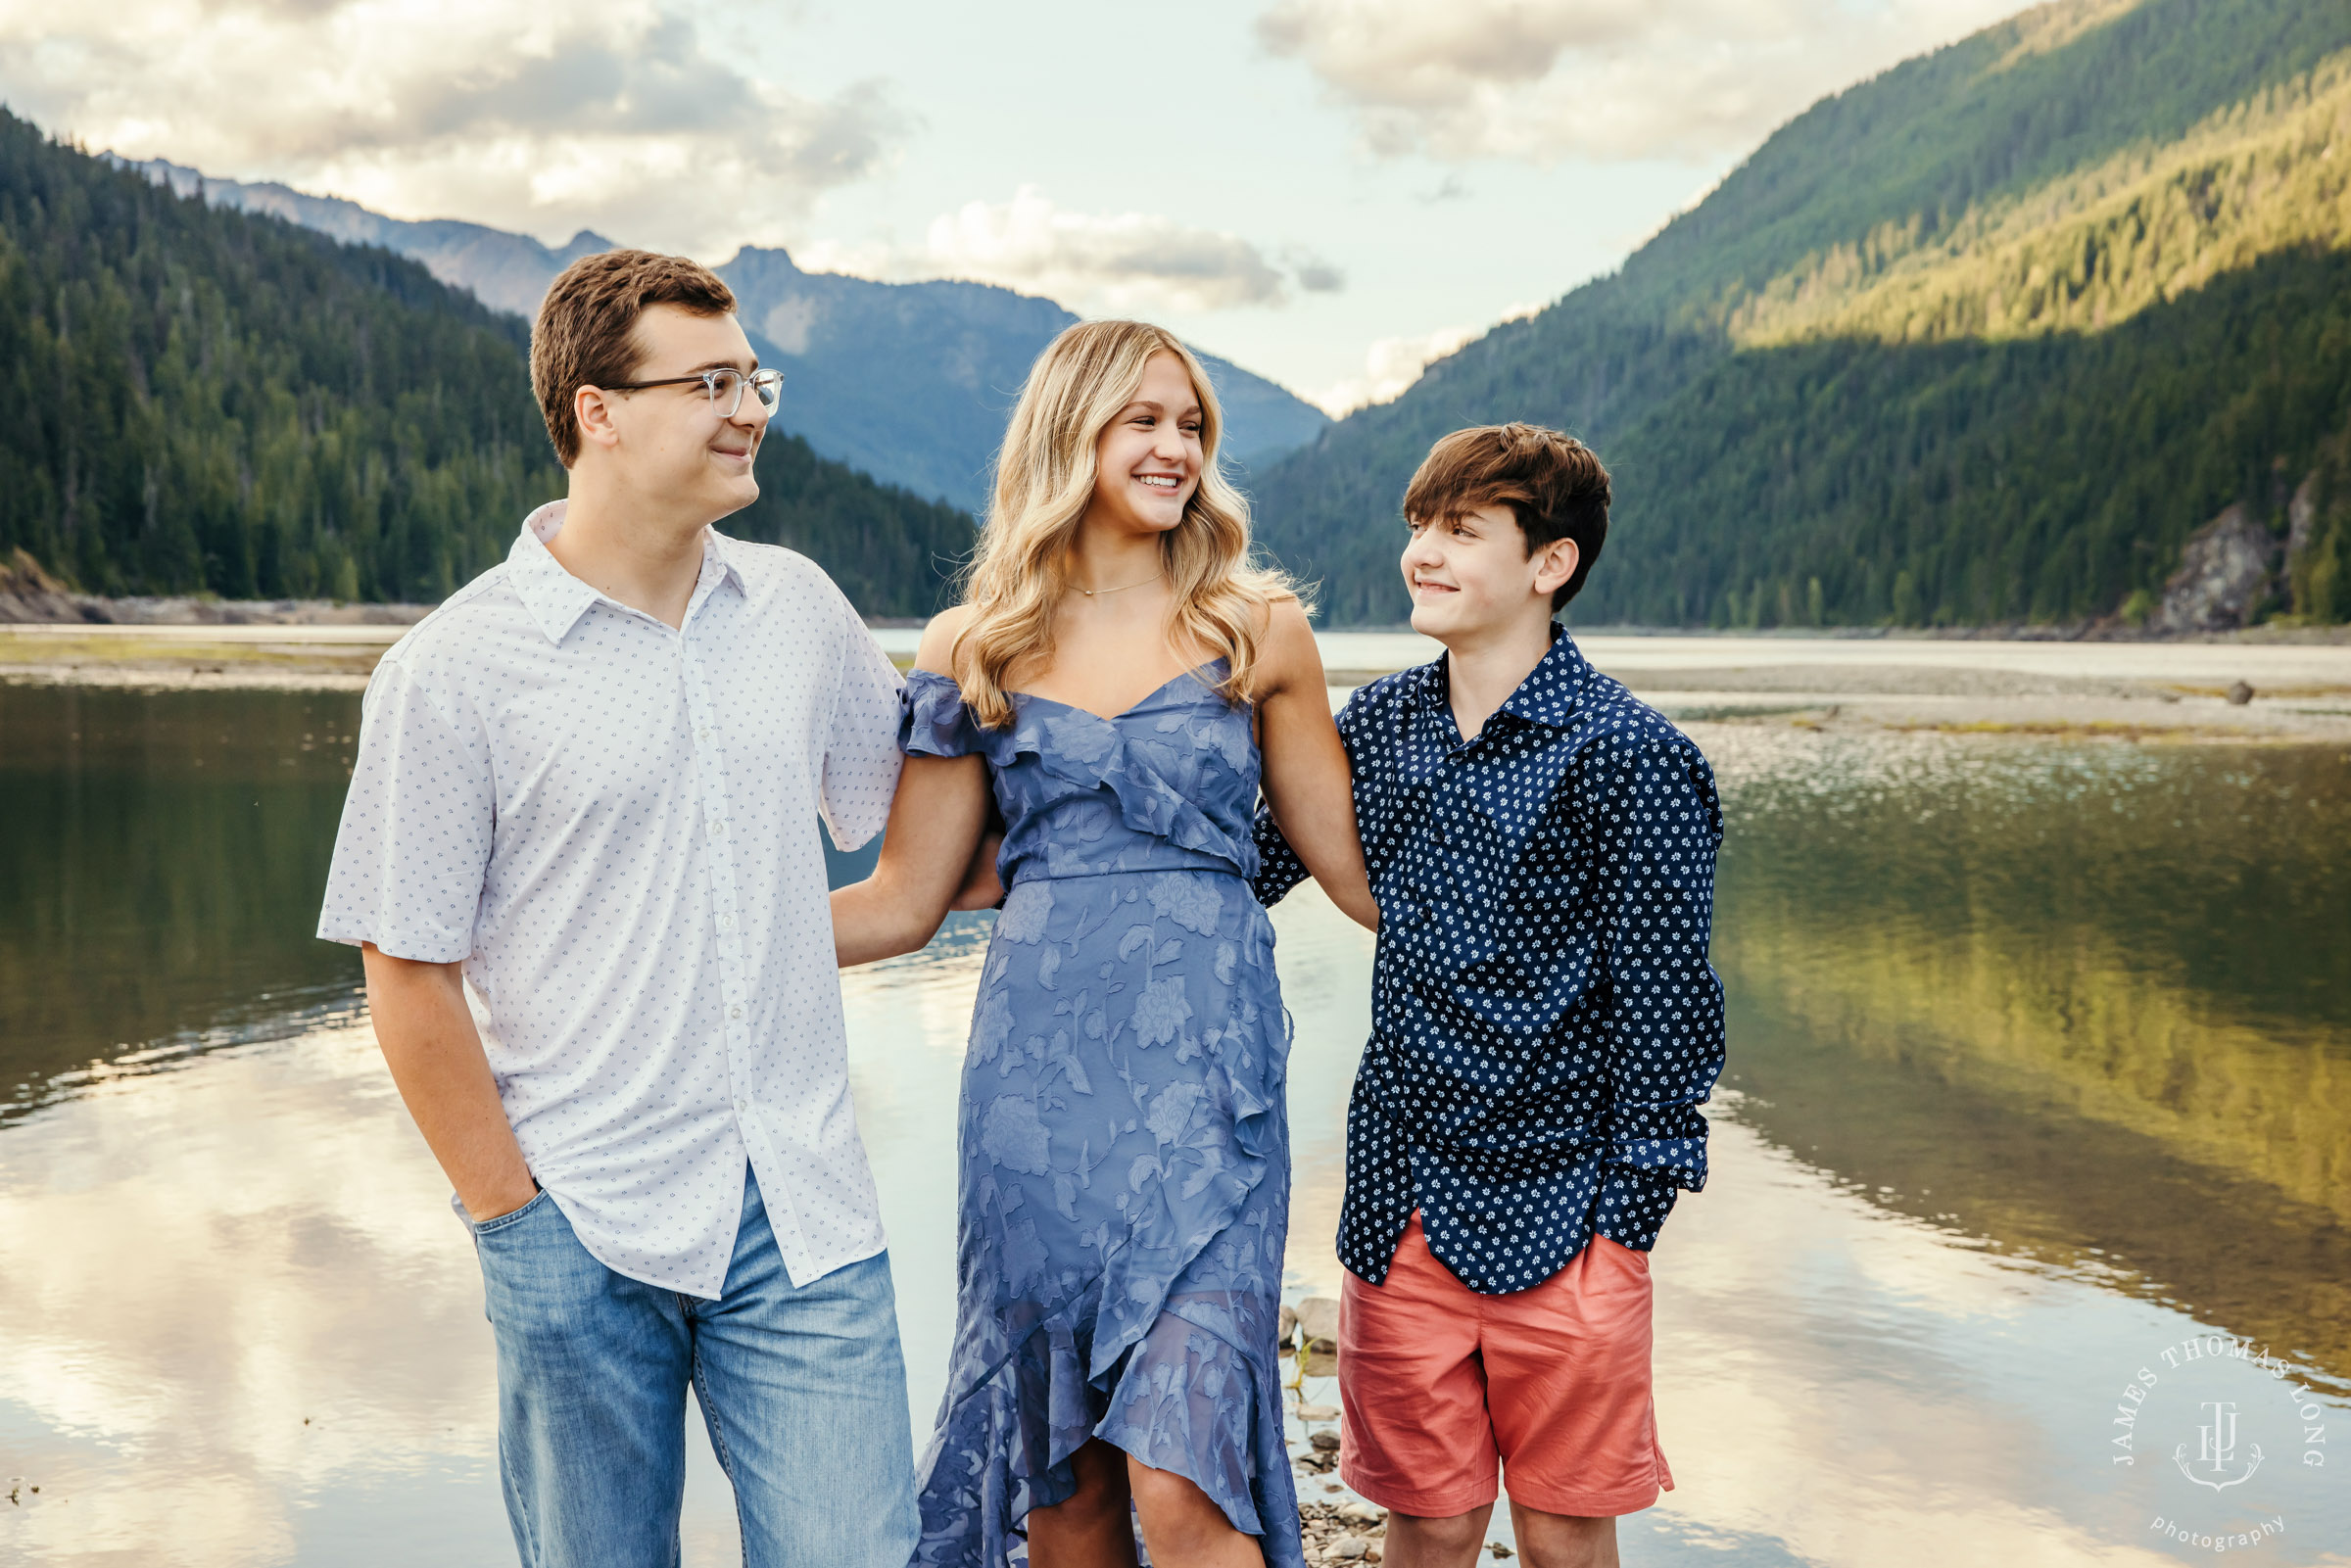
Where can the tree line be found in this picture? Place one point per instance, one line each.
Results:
(205, 401)
(1981, 340)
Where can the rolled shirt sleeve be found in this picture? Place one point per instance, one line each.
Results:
(1661, 828)
(861, 743)
(417, 830)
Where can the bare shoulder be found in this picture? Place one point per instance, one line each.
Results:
(1286, 622)
(937, 653)
(1287, 649)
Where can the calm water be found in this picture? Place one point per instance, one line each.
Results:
(2040, 1065)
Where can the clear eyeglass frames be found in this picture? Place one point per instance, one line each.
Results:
(724, 385)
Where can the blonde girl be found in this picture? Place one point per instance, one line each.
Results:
(1127, 684)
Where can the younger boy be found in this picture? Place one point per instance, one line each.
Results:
(1545, 1025)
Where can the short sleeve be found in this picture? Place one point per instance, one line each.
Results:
(932, 720)
(417, 829)
(861, 753)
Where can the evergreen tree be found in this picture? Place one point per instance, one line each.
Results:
(196, 399)
(1982, 339)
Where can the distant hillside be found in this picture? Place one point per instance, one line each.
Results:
(910, 382)
(195, 399)
(914, 380)
(506, 271)
(1992, 336)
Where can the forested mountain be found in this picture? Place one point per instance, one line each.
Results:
(199, 398)
(1989, 337)
(913, 381)
(910, 382)
(506, 271)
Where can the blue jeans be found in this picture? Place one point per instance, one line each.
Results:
(803, 1387)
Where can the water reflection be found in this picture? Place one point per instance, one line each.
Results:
(2039, 1056)
(161, 857)
(2092, 1004)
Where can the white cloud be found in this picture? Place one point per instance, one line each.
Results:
(1615, 78)
(1101, 261)
(611, 114)
(1391, 364)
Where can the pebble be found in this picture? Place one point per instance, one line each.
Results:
(1331, 1533)
(1324, 1442)
(2239, 695)
(1319, 1319)
(1318, 1413)
(1362, 1513)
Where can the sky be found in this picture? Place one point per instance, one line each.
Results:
(1330, 192)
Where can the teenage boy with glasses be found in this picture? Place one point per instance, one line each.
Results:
(580, 855)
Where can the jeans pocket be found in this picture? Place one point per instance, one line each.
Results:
(490, 1227)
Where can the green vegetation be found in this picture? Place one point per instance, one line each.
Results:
(1848, 481)
(1981, 340)
(197, 400)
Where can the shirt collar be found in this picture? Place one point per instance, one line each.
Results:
(1547, 696)
(557, 599)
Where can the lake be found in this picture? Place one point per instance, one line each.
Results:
(2039, 1082)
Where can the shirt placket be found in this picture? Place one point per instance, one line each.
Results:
(722, 854)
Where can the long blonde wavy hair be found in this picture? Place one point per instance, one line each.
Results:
(1045, 478)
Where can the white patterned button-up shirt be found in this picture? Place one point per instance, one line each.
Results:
(614, 825)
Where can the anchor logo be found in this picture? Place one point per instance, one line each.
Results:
(2217, 1450)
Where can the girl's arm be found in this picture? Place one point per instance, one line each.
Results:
(934, 823)
(1306, 785)
(929, 848)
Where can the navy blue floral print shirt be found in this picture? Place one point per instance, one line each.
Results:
(1544, 1020)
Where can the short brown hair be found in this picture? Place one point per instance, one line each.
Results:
(1552, 483)
(586, 332)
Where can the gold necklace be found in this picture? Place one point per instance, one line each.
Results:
(1097, 592)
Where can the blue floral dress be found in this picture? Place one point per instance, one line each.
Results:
(1124, 1150)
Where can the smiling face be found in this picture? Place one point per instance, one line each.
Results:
(1149, 457)
(1471, 576)
(669, 444)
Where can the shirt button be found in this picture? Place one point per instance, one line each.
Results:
(735, 1012)
(726, 922)
(703, 733)
(718, 830)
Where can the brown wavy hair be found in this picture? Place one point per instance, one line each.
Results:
(586, 333)
(1552, 483)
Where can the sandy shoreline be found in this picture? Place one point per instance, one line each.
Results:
(2140, 692)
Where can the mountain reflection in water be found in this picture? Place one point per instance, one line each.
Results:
(161, 856)
(2090, 1003)
(2039, 1061)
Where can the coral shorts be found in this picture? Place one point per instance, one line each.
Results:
(1438, 1385)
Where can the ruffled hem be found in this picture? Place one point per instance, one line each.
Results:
(1256, 1140)
(1187, 1400)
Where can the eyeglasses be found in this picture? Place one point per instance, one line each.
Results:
(723, 386)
